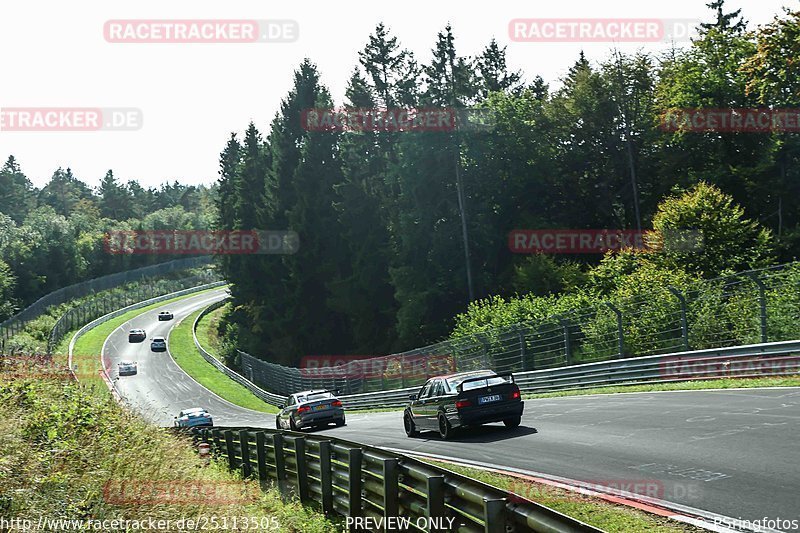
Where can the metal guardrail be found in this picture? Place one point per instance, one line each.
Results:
(780, 358)
(138, 305)
(736, 310)
(270, 398)
(755, 361)
(14, 325)
(104, 303)
(355, 480)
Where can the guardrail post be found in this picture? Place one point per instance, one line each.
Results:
(354, 460)
(326, 476)
(620, 330)
(216, 441)
(523, 366)
(302, 468)
(762, 303)
(244, 444)
(494, 515)
(391, 488)
(567, 341)
(230, 450)
(684, 321)
(435, 502)
(261, 455)
(280, 462)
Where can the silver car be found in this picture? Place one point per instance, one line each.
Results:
(127, 368)
(158, 344)
(310, 409)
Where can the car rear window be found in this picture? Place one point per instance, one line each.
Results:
(318, 396)
(488, 382)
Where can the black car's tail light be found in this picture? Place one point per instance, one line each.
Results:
(336, 403)
(460, 404)
(515, 395)
(303, 409)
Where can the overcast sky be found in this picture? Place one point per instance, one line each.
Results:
(193, 95)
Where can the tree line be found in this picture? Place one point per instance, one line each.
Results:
(54, 236)
(381, 264)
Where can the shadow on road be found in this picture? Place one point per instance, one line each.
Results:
(482, 434)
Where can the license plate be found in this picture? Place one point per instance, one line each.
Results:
(489, 399)
(320, 407)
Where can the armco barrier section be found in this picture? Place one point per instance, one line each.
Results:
(104, 303)
(138, 305)
(354, 480)
(14, 325)
(737, 310)
(274, 399)
(757, 360)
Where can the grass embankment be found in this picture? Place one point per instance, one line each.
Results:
(86, 354)
(186, 354)
(66, 453)
(724, 383)
(591, 510)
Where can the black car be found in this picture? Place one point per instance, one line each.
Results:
(137, 335)
(310, 409)
(445, 403)
(165, 315)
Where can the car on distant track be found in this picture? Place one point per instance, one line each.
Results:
(165, 315)
(158, 344)
(137, 335)
(194, 417)
(445, 403)
(312, 408)
(127, 368)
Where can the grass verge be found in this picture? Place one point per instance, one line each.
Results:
(207, 329)
(66, 453)
(86, 354)
(591, 510)
(724, 383)
(186, 354)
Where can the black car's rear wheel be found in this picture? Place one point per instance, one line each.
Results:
(278, 422)
(410, 427)
(512, 422)
(340, 422)
(445, 429)
(292, 424)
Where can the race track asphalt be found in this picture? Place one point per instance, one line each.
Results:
(733, 452)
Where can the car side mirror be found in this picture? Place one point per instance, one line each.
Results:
(281, 406)
(412, 397)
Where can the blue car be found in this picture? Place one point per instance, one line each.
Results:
(194, 417)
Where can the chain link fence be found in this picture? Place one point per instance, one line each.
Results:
(746, 308)
(16, 323)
